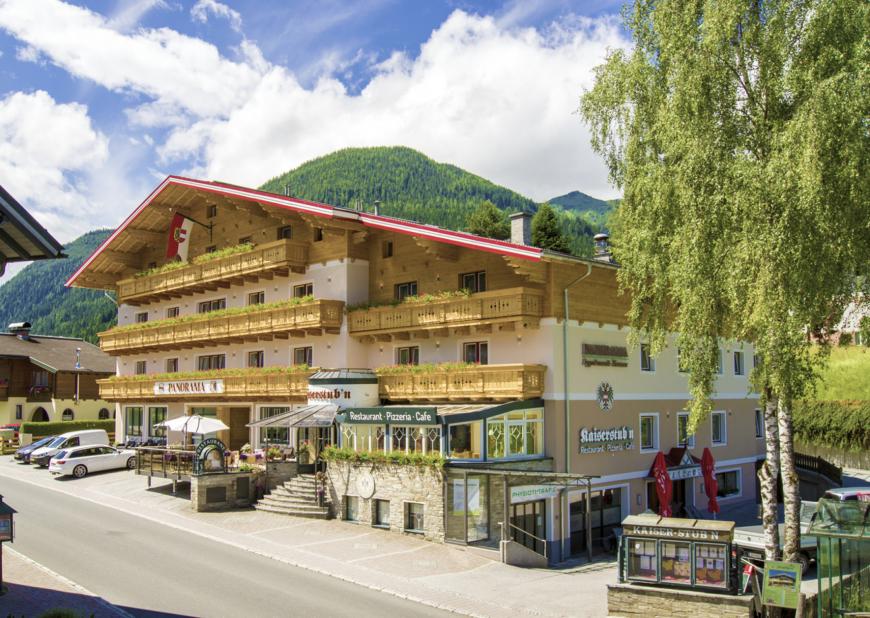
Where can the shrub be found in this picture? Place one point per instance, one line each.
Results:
(839, 424)
(864, 329)
(334, 453)
(845, 339)
(39, 430)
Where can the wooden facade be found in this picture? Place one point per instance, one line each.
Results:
(458, 384)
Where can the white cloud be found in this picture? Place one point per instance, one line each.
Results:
(128, 13)
(28, 53)
(47, 151)
(202, 8)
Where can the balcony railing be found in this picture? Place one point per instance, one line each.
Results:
(513, 305)
(265, 323)
(470, 383)
(279, 256)
(262, 384)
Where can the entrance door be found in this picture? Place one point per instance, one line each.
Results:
(678, 502)
(239, 433)
(606, 514)
(528, 519)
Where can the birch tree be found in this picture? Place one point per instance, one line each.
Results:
(738, 132)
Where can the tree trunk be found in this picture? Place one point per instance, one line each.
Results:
(767, 477)
(790, 485)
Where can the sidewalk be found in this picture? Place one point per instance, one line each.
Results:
(454, 578)
(33, 590)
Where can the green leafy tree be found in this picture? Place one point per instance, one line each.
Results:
(737, 130)
(546, 231)
(864, 329)
(487, 220)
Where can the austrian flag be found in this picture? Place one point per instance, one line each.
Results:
(179, 237)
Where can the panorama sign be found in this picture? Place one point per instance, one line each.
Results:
(189, 387)
(609, 440)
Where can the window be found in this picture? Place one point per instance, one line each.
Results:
(404, 290)
(103, 414)
(303, 356)
(141, 368)
(515, 434)
(413, 517)
(171, 365)
(416, 439)
(710, 565)
(303, 289)
(719, 428)
(157, 414)
(382, 513)
(256, 298)
(738, 363)
(683, 437)
(285, 233)
(274, 435)
(211, 211)
(759, 423)
(642, 559)
(172, 312)
(67, 415)
(246, 240)
(647, 362)
(211, 305)
(649, 432)
(142, 317)
(318, 234)
(211, 249)
(387, 249)
(473, 282)
(212, 361)
(476, 352)
(465, 440)
(676, 562)
(364, 437)
(133, 421)
(729, 484)
(408, 356)
(19, 412)
(351, 508)
(256, 359)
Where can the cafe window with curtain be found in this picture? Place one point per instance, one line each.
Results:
(415, 439)
(515, 434)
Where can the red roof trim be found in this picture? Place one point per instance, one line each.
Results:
(322, 210)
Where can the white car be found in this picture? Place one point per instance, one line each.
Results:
(80, 460)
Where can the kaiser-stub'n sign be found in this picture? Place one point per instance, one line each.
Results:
(392, 416)
(606, 440)
(189, 387)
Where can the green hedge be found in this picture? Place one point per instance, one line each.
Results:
(841, 424)
(333, 453)
(39, 430)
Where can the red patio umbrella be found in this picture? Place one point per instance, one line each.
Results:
(711, 485)
(664, 487)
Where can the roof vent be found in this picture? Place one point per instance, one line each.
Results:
(602, 248)
(20, 330)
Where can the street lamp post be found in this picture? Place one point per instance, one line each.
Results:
(6, 533)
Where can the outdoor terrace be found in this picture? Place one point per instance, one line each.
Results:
(278, 320)
(266, 260)
(457, 382)
(511, 308)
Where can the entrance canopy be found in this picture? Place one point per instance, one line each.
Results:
(681, 464)
(308, 415)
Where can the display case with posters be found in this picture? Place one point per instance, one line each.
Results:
(690, 553)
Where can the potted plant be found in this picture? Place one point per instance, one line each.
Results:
(303, 451)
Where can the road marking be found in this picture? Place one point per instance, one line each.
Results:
(68, 582)
(392, 553)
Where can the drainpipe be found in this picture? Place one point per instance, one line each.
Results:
(565, 368)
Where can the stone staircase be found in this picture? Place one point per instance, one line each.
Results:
(296, 497)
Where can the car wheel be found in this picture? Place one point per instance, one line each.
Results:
(79, 471)
(804, 561)
(131, 463)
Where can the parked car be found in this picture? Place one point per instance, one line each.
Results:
(847, 494)
(749, 540)
(83, 437)
(78, 461)
(23, 454)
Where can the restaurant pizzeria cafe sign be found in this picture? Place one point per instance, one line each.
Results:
(189, 387)
(391, 416)
(612, 439)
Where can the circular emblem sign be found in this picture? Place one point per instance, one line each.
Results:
(604, 395)
(365, 485)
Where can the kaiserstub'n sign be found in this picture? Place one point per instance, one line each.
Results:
(593, 440)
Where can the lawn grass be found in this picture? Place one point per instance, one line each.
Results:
(847, 376)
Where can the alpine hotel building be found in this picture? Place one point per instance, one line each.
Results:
(457, 344)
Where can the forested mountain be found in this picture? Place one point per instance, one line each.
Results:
(37, 295)
(593, 210)
(410, 185)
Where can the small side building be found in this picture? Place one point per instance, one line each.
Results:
(50, 378)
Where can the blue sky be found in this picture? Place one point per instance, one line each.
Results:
(102, 99)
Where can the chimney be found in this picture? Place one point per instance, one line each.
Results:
(287, 191)
(377, 207)
(20, 330)
(602, 248)
(521, 228)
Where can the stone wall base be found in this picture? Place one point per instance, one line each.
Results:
(649, 602)
(218, 492)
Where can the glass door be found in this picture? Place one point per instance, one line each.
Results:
(528, 522)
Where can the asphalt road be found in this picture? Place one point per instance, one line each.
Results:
(151, 570)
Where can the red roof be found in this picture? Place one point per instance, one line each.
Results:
(399, 226)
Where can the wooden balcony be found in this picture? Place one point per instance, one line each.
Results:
(509, 308)
(462, 383)
(249, 385)
(314, 318)
(264, 260)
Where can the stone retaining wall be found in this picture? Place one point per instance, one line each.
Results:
(397, 483)
(649, 602)
(218, 492)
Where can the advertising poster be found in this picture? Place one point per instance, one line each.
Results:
(782, 584)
